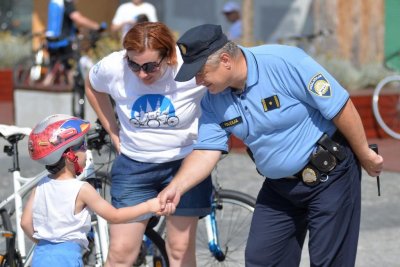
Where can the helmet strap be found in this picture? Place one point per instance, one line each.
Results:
(70, 155)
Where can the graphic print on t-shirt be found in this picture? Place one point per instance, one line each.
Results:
(153, 111)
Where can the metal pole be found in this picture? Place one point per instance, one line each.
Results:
(248, 23)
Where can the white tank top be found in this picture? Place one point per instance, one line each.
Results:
(53, 212)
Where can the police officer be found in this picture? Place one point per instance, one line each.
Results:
(306, 137)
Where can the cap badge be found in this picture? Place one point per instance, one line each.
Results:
(183, 49)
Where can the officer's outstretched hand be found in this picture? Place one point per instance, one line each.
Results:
(372, 163)
(169, 199)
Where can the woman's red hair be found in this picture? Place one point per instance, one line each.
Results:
(151, 35)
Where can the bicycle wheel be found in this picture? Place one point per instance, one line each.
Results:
(386, 105)
(9, 257)
(233, 214)
(153, 251)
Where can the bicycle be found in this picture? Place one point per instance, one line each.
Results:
(386, 105)
(65, 73)
(14, 251)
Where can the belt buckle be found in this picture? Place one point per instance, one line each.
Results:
(310, 176)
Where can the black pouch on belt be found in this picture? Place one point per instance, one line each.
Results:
(328, 152)
(323, 160)
(334, 148)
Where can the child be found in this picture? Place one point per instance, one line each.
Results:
(56, 215)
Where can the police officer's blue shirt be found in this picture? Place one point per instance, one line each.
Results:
(288, 103)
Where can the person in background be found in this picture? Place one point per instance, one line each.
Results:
(231, 11)
(142, 18)
(156, 128)
(130, 13)
(57, 214)
(306, 137)
(62, 24)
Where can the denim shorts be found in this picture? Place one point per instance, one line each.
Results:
(66, 254)
(134, 182)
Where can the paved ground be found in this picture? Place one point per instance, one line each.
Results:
(380, 226)
(379, 243)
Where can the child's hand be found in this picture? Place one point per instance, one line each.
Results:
(169, 209)
(154, 205)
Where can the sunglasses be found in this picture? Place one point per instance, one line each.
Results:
(79, 147)
(148, 67)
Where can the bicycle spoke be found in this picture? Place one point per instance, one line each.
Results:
(233, 217)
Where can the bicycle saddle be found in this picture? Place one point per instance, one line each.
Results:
(9, 130)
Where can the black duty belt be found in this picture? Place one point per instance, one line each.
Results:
(323, 159)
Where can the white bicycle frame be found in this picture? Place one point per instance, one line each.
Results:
(22, 185)
(101, 238)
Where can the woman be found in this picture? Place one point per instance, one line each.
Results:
(157, 128)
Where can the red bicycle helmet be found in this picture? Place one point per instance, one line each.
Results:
(55, 134)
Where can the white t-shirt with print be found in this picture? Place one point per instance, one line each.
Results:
(158, 121)
(129, 12)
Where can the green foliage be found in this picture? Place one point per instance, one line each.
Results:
(12, 49)
(372, 74)
(105, 46)
(352, 77)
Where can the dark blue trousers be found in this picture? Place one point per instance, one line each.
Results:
(287, 208)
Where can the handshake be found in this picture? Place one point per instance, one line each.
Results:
(165, 203)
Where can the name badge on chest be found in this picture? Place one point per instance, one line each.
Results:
(231, 122)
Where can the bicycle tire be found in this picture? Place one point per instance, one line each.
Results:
(233, 215)
(78, 98)
(386, 105)
(9, 257)
(155, 251)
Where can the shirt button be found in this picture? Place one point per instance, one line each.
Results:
(242, 97)
(246, 108)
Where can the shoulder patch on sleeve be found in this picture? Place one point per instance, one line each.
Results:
(320, 86)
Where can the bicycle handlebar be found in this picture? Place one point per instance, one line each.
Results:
(96, 137)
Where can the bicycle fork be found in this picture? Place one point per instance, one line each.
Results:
(101, 231)
(212, 233)
(100, 247)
